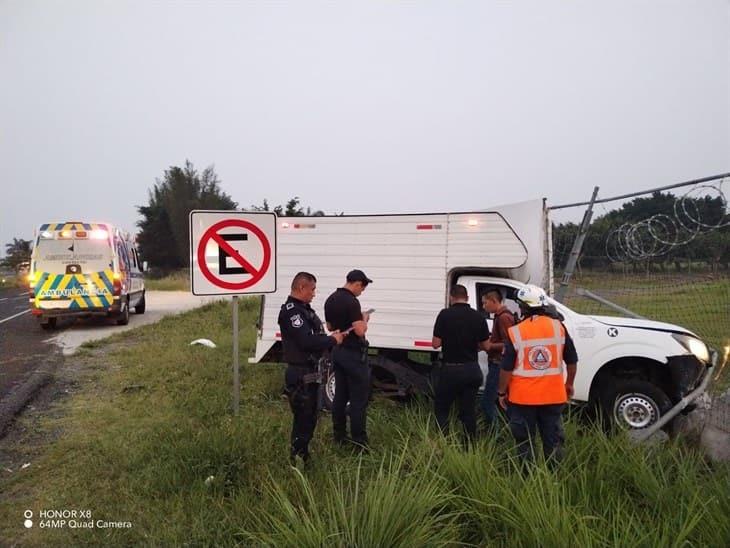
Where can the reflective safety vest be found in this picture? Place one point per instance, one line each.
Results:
(537, 378)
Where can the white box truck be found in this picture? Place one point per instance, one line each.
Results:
(636, 370)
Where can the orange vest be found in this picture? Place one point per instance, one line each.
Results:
(537, 378)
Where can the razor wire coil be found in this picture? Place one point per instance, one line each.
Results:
(659, 234)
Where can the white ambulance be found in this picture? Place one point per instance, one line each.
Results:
(81, 269)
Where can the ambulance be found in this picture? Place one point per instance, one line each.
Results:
(81, 269)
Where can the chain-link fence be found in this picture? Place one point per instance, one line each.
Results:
(663, 254)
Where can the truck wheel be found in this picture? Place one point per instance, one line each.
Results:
(328, 390)
(634, 404)
(49, 323)
(140, 306)
(123, 318)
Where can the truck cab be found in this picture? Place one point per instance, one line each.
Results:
(633, 370)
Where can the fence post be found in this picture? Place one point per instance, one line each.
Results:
(577, 246)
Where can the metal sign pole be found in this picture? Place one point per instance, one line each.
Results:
(236, 377)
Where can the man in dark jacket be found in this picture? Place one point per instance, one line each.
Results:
(304, 341)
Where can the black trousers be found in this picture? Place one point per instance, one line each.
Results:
(352, 384)
(303, 403)
(526, 420)
(460, 384)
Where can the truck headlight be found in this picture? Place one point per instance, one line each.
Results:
(694, 346)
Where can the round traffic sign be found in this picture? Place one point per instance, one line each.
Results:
(212, 234)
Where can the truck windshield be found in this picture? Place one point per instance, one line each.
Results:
(91, 255)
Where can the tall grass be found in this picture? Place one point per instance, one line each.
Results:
(170, 458)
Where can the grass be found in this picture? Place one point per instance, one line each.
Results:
(176, 281)
(149, 438)
(699, 304)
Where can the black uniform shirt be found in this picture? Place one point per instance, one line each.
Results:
(341, 309)
(302, 334)
(461, 329)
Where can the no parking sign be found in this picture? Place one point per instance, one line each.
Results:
(232, 252)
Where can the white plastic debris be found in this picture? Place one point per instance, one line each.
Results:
(209, 480)
(204, 342)
(26, 465)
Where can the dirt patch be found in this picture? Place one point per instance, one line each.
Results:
(34, 428)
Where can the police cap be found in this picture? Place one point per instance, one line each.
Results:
(358, 276)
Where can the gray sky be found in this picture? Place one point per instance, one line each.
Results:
(356, 106)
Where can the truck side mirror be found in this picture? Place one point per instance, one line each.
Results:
(144, 266)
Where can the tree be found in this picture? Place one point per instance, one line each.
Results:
(291, 209)
(164, 229)
(16, 253)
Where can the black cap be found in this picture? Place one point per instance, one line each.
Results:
(358, 276)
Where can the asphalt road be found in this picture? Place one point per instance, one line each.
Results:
(27, 351)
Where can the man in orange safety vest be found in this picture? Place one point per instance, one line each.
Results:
(533, 386)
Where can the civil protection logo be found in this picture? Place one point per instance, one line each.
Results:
(540, 357)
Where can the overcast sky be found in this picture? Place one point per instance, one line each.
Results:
(356, 106)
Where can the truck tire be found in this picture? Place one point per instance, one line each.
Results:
(49, 323)
(328, 390)
(633, 404)
(123, 318)
(140, 306)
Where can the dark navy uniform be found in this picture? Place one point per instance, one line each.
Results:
(461, 329)
(304, 341)
(352, 372)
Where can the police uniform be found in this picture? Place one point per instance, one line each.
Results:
(304, 341)
(351, 368)
(535, 353)
(461, 329)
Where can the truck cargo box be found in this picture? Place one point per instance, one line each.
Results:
(410, 259)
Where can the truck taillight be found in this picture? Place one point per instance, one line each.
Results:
(117, 287)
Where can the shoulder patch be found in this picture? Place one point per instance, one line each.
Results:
(296, 321)
(289, 306)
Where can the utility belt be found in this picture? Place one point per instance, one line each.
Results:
(456, 364)
(313, 377)
(361, 351)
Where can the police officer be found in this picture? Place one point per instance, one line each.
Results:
(460, 331)
(532, 379)
(350, 360)
(304, 341)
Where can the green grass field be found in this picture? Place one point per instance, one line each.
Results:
(177, 281)
(701, 304)
(148, 438)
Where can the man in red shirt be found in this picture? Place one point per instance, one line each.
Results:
(503, 320)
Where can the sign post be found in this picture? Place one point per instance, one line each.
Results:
(232, 253)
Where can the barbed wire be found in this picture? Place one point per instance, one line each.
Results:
(659, 234)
